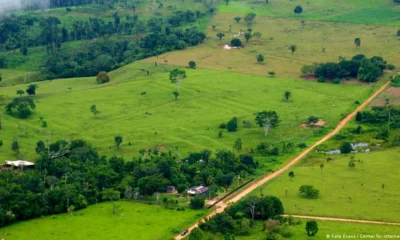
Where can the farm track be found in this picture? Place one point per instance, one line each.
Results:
(220, 207)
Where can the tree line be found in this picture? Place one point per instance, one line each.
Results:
(359, 66)
(104, 51)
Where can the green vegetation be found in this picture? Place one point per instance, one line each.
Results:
(154, 118)
(356, 11)
(298, 232)
(97, 222)
(314, 41)
(349, 192)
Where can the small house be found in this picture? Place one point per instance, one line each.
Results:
(171, 189)
(197, 190)
(19, 164)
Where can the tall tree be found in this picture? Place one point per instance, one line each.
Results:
(357, 42)
(118, 140)
(237, 19)
(267, 119)
(311, 228)
(15, 146)
(177, 76)
(94, 110)
(260, 58)
(287, 95)
(293, 48)
(31, 89)
(291, 175)
(110, 195)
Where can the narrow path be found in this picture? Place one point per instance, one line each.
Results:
(221, 206)
(344, 220)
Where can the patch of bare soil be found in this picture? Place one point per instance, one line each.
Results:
(318, 124)
(392, 93)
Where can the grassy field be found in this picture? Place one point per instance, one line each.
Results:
(144, 9)
(327, 227)
(377, 12)
(207, 99)
(14, 77)
(140, 221)
(315, 41)
(344, 192)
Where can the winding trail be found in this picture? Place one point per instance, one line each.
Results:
(344, 220)
(220, 207)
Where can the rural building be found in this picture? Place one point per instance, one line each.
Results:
(197, 190)
(19, 164)
(171, 189)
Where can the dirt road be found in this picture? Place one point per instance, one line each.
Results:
(344, 220)
(221, 206)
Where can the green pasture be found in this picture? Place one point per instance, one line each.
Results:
(13, 77)
(144, 9)
(374, 12)
(315, 41)
(133, 220)
(367, 191)
(208, 98)
(351, 230)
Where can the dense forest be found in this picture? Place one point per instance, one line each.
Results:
(81, 177)
(110, 43)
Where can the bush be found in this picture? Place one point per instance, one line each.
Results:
(336, 80)
(23, 106)
(236, 42)
(346, 148)
(302, 145)
(396, 81)
(197, 202)
(102, 77)
(222, 125)
(391, 67)
(231, 126)
(321, 79)
(308, 191)
(192, 64)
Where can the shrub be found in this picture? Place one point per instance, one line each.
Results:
(321, 79)
(396, 81)
(346, 148)
(102, 77)
(302, 145)
(336, 80)
(23, 106)
(222, 125)
(192, 64)
(197, 202)
(231, 126)
(236, 42)
(391, 67)
(1, 143)
(308, 191)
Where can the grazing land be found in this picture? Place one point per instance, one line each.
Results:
(325, 228)
(359, 192)
(208, 99)
(384, 12)
(97, 222)
(315, 41)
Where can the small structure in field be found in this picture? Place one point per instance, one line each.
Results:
(198, 190)
(19, 164)
(171, 189)
(227, 47)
